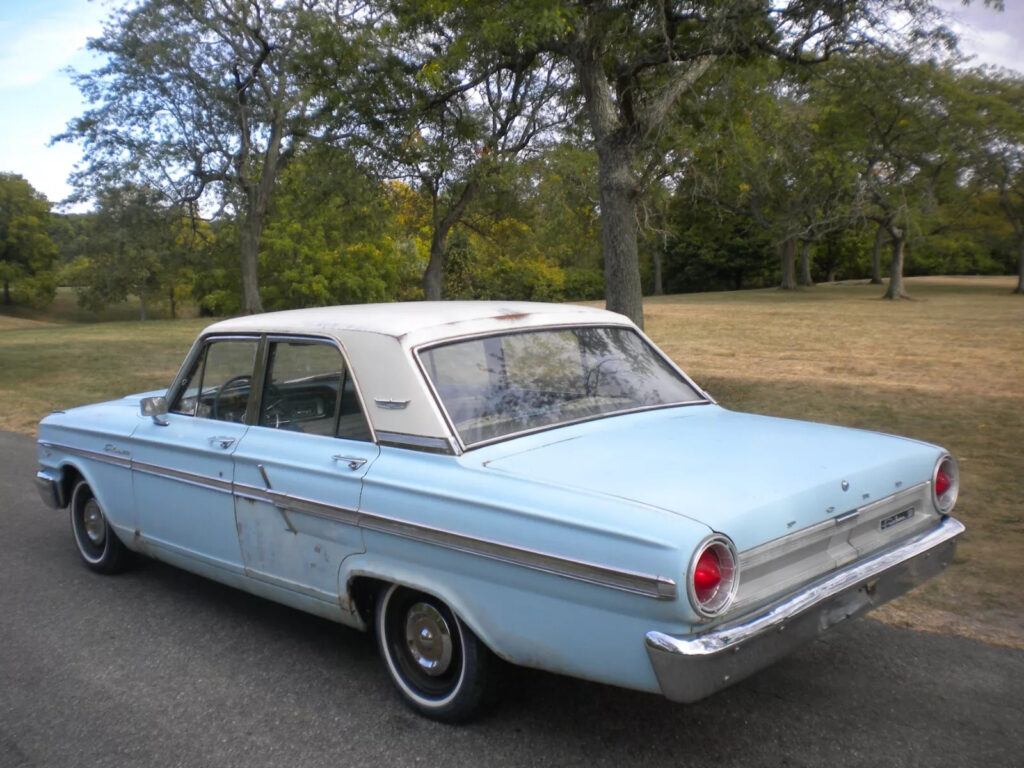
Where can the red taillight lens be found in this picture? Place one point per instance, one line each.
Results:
(707, 576)
(713, 576)
(945, 484)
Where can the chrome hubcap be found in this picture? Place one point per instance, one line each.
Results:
(92, 521)
(429, 639)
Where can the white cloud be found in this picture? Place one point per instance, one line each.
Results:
(46, 45)
(990, 37)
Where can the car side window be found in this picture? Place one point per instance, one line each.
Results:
(220, 381)
(308, 389)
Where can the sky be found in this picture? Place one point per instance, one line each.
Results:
(41, 39)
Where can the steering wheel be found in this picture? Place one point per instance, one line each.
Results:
(234, 381)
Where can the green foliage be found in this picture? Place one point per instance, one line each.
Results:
(331, 237)
(503, 264)
(27, 252)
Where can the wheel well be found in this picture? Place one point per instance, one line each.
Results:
(364, 591)
(69, 479)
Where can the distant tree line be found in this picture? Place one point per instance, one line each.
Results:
(250, 155)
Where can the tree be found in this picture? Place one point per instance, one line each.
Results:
(203, 101)
(908, 148)
(996, 116)
(131, 250)
(448, 122)
(631, 63)
(331, 237)
(26, 251)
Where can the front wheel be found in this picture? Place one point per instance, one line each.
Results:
(97, 543)
(439, 666)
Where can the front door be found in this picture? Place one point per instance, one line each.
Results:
(299, 470)
(182, 470)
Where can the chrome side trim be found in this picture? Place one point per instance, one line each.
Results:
(105, 458)
(204, 481)
(297, 504)
(644, 584)
(648, 585)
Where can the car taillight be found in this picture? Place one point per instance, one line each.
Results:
(945, 484)
(713, 576)
(707, 576)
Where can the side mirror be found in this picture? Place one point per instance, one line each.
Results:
(155, 407)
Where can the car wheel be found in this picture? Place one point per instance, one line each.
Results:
(97, 543)
(439, 666)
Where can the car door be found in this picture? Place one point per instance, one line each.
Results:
(182, 467)
(299, 469)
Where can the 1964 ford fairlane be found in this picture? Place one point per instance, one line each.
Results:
(536, 482)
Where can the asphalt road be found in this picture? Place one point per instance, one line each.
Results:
(161, 668)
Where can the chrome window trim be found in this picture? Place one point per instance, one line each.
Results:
(418, 442)
(174, 390)
(635, 582)
(706, 399)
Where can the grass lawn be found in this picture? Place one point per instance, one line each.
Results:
(947, 367)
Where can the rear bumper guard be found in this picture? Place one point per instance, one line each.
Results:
(692, 667)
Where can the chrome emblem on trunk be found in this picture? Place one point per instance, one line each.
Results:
(899, 517)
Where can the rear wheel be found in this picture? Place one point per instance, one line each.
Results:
(439, 666)
(98, 545)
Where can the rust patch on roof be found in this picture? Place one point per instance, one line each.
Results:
(512, 316)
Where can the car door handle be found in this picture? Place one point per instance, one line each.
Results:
(223, 442)
(354, 462)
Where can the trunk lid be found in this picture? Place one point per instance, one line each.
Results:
(753, 478)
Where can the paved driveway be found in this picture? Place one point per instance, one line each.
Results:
(161, 668)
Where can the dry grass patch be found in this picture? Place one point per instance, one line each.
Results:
(947, 367)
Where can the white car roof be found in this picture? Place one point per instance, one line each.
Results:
(379, 339)
(418, 322)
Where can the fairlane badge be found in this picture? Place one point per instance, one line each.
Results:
(899, 517)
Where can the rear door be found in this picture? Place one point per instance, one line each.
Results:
(299, 469)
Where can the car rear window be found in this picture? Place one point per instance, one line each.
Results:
(497, 386)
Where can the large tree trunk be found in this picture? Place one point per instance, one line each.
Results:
(1020, 265)
(876, 257)
(656, 256)
(623, 293)
(251, 302)
(7, 292)
(433, 277)
(434, 274)
(142, 305)
(805, 264)
(170, 296)
(617, 186)
(788, 250)
(895, 290)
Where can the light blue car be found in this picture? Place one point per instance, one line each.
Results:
(498, 480)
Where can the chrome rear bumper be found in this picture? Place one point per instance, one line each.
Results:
(694, 666)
